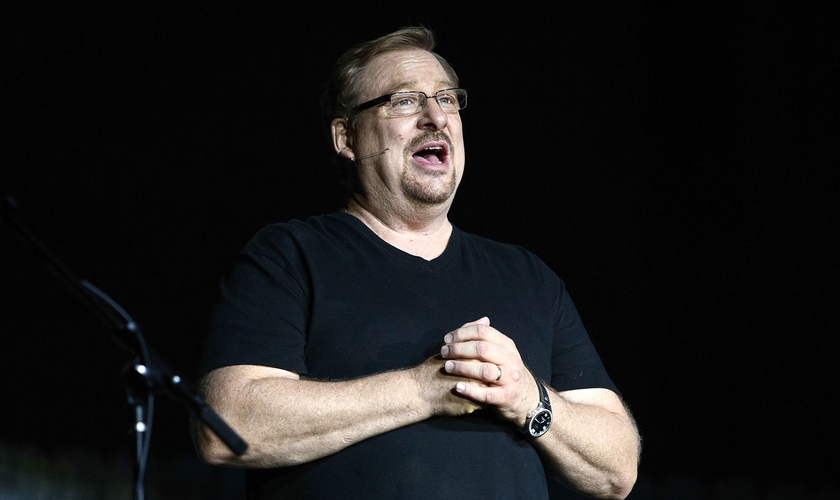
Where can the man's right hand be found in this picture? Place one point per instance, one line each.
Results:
(436, 387)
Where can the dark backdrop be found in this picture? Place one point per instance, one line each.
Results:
(670, 162)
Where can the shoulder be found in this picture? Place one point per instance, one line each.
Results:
(507, 254)
(300, 232)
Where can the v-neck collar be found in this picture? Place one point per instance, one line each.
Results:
(411, 261)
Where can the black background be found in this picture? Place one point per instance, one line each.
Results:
(671, 162)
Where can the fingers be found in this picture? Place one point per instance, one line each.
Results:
(512, 395)
(477, 340)
(489, 373)
(480, 352)
(476, 393)
(490, 368)
(473, 330)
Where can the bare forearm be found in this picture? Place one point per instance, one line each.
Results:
(288, 421)
(311, 419)
(592, 443)
(594, 450)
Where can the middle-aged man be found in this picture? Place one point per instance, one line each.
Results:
(380, 352)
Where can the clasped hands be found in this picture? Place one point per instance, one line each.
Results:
(488, 370)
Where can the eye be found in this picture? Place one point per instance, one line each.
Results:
(405, 99)
(447, 98)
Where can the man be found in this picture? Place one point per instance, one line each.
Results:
(380, 352)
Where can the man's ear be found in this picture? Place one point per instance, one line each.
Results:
(342, 141)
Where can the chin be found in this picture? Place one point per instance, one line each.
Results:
(431, 193)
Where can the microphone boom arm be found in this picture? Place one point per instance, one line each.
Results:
(155, 375)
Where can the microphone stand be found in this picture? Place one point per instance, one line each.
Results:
(144, 374)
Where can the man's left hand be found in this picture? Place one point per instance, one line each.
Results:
(493, 371)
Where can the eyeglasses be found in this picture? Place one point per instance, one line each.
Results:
(409, 103)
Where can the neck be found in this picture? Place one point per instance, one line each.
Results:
(419, 235)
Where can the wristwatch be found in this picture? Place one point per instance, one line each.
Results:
(538, 421)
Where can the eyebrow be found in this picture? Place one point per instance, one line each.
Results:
(409, 85)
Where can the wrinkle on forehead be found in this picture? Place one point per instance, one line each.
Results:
(380, 74)
(412, 85)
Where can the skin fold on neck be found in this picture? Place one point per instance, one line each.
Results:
(423, 237)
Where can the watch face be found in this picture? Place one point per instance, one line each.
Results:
(540, 423)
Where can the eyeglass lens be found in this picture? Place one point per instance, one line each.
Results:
(407, 103)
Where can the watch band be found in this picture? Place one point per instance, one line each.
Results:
(538, 421)
(544, 399)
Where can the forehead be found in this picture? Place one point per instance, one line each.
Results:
(404, 70)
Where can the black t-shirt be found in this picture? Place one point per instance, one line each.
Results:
(328, 299)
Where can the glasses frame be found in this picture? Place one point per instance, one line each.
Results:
(387, 98)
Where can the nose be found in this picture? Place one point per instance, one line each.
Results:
(432, 116)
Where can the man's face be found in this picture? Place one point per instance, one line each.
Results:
(425, 158)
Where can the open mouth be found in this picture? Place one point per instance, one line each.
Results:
(432, 154)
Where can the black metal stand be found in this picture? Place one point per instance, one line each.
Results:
(144, 374)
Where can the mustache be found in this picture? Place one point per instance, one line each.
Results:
(418, 141)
